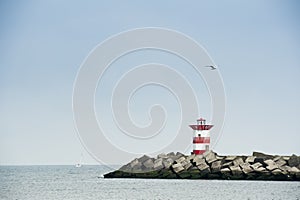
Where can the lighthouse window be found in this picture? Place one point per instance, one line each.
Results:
(199, 135)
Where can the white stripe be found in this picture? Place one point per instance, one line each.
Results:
(204, 133)
(200, 146)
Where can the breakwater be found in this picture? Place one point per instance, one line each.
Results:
(210, 165)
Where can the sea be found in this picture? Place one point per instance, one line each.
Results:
(87, 182)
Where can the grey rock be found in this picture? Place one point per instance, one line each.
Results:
(294, 170)
(250, 159)
(177, 168)
(204, 168)
(225, 171)
(280, 162)
(276, 171)
(271, 165)
(284, 168)
(294, 161)
(216, 166)
(227, 164)
(277, 158)
(134, 162)
(162, 155)
(235, 170)
(260, 169)
(262, 155)
(286, 158)
(238, 161)
(210, 156)
(167, 163)
(171, 154)
(256, 165)
(137, 168)
(269, 162)
(219, 157)
(198, 160)
(186, 164)
(260, 160)
(181, 159)
(230, 158)
(143, 158)
(246, 168)
(158, 164)
(179, 154)
(126, 168)
(191, 157)
(148, 164)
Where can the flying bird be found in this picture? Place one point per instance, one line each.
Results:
(212, 67)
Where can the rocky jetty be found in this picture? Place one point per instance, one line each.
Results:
(259, 166)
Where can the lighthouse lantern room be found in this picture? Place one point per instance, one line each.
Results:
(201, 138)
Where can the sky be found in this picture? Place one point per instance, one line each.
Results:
(255, 45)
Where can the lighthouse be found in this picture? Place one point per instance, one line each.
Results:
(201, 138)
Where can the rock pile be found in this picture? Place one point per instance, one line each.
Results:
(259, 166)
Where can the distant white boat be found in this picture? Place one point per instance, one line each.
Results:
(80, 162)
(78, 165)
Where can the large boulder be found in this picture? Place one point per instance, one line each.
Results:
(134, 162)
(162, 155)
(236, 171)
(148, 164)
(260, 160)
(203, 168)
(167, 162)
(177, 168)
(226, 172)
(171, 154)
(137, 168)
(179, 160)
(246, 168)
(158, 164)
(294, 161)
(238, 161)
(191, 157)
(230, 158)
(186, 164)
(210, 156)
(260, 169)
(198, 160)
(296, 172)
(250, 159)
(280, 162)
(271, 165)
(262, 155)
(143, 158)
(256, 165)
(227, 164)
(216, 166)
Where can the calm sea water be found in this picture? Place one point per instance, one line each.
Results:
(68, 182)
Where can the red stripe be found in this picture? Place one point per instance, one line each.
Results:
(201, 140)
(201, 127)
(198, 152)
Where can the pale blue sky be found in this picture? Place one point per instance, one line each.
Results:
(256, 45)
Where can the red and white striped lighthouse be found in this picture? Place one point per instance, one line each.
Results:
(201, 139)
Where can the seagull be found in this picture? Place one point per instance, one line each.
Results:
(212, 67)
